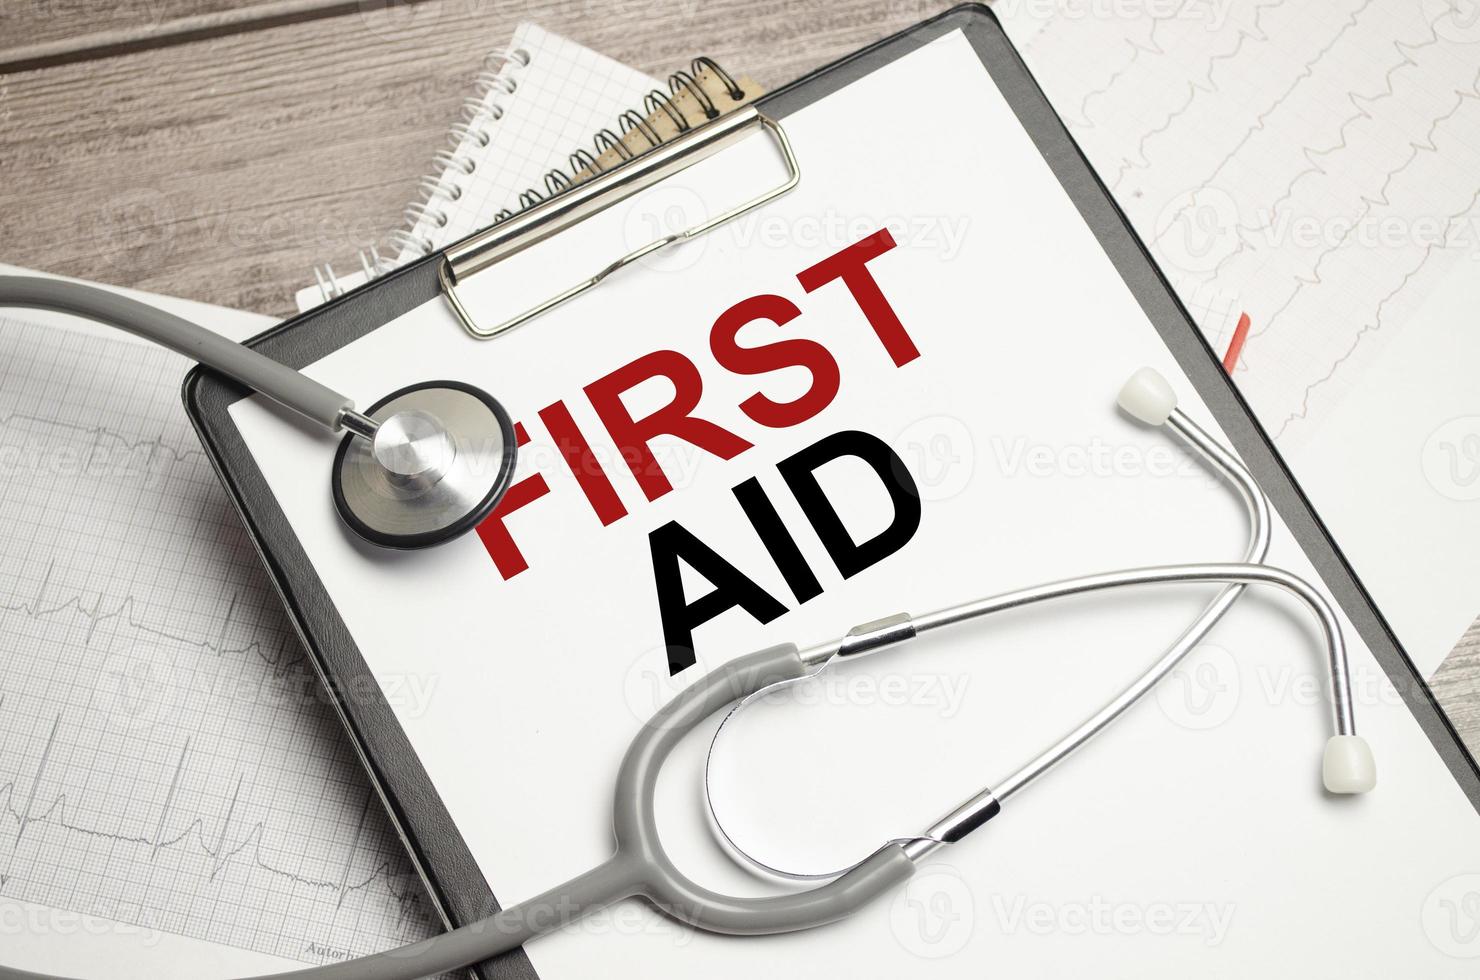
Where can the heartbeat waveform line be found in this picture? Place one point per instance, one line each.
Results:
(1357, 100)
(218, 855)
(1313, 278)
(1371, 326)
(1149, 46)
(1205, 84)
(1306, 72)
(169, 798)
(1085, 121)
(98, 433)
(23, 820)
(1246, 233)
(124, 611)
(349, 857)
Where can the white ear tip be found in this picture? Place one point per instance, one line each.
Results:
(1147, 396)
(1347, 766)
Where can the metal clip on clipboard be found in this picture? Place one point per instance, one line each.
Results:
(528, 227)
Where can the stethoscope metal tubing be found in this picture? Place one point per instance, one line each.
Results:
(981, 807)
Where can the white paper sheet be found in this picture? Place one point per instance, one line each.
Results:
(1191, 840)
(1311, 165)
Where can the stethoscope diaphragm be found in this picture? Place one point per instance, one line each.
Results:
(440, 458)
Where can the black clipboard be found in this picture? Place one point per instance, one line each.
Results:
(437, 848)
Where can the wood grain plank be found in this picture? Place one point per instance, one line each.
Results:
(1456, 686)
(43, 31)
(223, 170)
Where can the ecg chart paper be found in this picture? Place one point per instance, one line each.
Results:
(1309, 170)
(167, 758)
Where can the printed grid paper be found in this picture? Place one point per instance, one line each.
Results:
(167, 759)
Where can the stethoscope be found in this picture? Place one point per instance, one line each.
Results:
(420, 467)
(420, 437)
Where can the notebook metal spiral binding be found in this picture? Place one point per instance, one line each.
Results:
(477, 116)
(700, 94)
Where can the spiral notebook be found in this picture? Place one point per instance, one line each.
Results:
(544, 112)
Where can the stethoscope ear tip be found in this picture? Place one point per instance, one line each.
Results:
(1147, 396)
(1347, 766)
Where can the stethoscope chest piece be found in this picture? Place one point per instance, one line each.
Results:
(437, 464)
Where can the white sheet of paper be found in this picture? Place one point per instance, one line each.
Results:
(1311, 165)
(1191, 840)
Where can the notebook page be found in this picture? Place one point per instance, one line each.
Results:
(1204, 816)
(549, 97)
(1311, 167)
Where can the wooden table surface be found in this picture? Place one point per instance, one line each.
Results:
(216, 149)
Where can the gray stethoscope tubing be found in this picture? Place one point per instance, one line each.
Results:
(289, 388)
(422, 466)
(900, 628)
